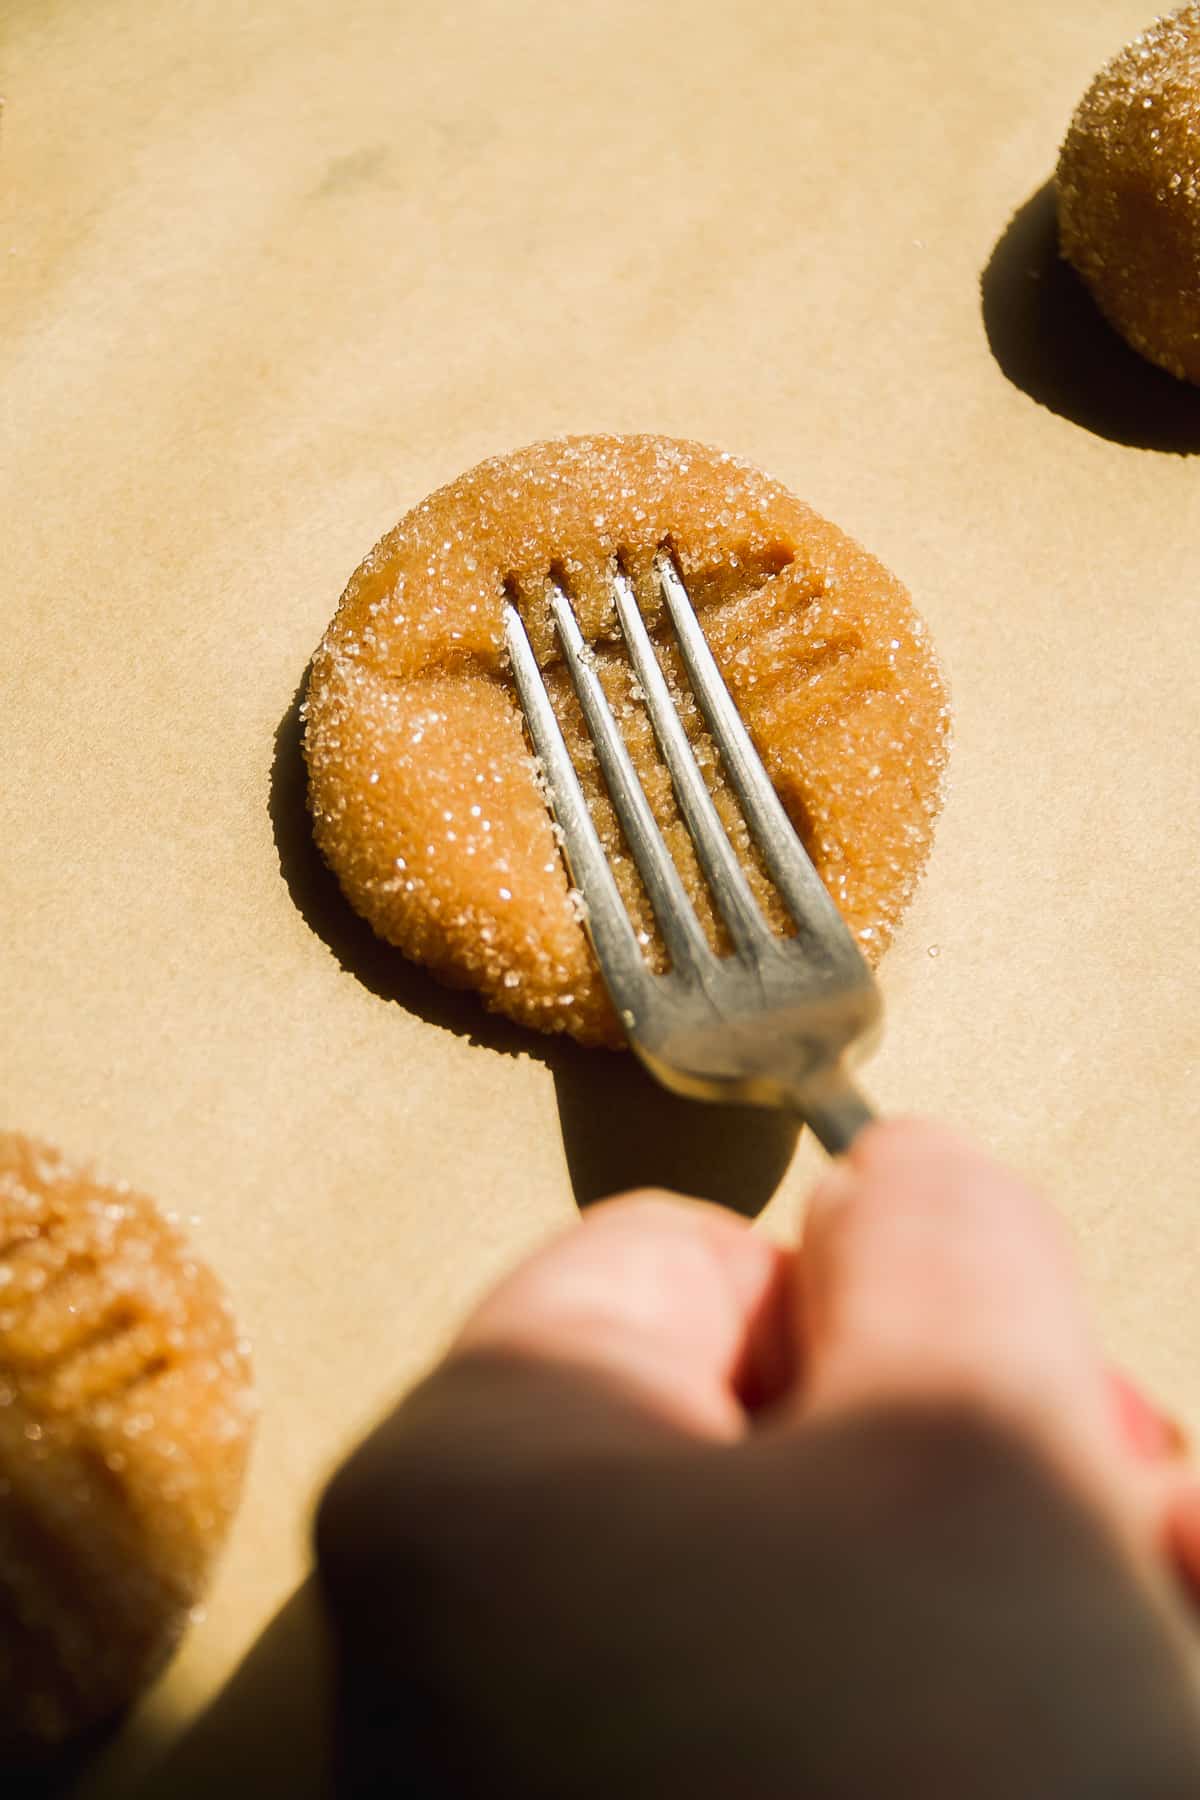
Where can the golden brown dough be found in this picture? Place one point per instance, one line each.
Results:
(125, 1417)
(1129, 192)
(424, 795)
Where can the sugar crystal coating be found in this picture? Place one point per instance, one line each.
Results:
(125, 1418)
(1129, 192)
(426, 800)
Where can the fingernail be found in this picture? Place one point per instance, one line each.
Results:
(1147, 1430)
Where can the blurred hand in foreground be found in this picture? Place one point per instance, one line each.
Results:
(684, 1514)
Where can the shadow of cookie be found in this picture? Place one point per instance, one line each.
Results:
(619, 1128)
(1051, 341)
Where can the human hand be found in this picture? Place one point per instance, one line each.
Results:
(686, 1514)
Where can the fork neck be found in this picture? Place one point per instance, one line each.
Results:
(835, 1111)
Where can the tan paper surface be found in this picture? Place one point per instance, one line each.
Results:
(273, 271)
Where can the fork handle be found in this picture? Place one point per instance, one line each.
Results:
(835, 1112)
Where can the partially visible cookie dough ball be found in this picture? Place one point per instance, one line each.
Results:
(1129, 192)
(125, 1419)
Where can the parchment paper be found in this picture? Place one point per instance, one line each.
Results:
(271, 273)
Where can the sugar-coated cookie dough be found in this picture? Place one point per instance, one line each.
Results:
(125, 1417)
(1129, 192)
(425, 797)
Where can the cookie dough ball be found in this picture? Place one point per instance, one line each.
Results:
(424, 794)
(1129, 193)
(125, 1417)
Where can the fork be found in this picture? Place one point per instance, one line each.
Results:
(774, 1022)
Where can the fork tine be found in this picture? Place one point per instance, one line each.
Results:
(686, 943)
(608, 924)
(722, 870)
(788, 863)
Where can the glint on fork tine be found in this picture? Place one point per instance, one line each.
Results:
(772, 1023)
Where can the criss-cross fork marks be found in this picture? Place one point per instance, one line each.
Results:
(71, 1331)
(707, 1004)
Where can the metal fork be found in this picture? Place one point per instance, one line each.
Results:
(770, 1024)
